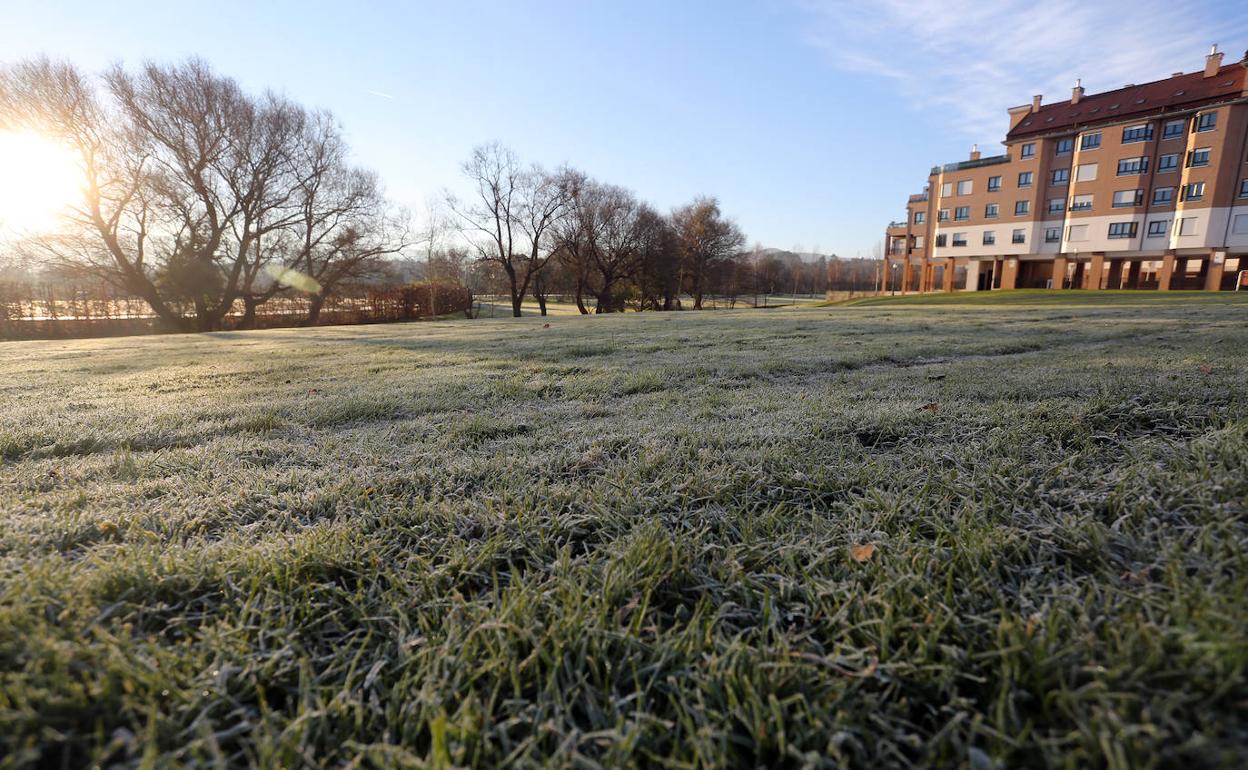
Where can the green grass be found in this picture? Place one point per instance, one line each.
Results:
(876, 536)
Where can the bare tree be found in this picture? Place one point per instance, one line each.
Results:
(574, 234)
(600, 240)
(194, 189)
(705, 238)
(658, 270)
(511, 220)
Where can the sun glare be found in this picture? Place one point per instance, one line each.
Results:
(38, 179)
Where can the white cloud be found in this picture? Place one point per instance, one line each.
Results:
(973, 59)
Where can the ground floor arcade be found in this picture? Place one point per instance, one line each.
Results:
(1211, 271)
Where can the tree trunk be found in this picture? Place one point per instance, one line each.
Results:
(314, 310)
(580, 296)
(248, 320)
(697, 289)
(538, 292)
(606, 302)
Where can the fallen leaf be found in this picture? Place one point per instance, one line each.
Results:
(1206, 368)
(545, 326)
(932, 407)
(1032, 623)
(861, 553)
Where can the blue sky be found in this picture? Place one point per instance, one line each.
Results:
(811, 120)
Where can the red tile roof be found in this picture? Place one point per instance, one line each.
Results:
(1179, 92)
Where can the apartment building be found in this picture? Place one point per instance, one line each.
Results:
(1145, 186)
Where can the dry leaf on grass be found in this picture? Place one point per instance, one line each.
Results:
(861, 553)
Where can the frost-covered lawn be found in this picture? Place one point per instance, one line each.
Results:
(889, 535)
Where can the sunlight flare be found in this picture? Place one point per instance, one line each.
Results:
(38, 180)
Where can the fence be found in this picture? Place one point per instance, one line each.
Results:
(31, 311)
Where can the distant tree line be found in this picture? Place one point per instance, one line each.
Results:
(541, 233)
(562, 231)
(209, 203)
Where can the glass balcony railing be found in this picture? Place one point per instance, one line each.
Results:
(964, 165)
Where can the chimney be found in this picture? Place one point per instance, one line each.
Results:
(1213, 62)
(1076, 93)
(1035, 102)
(974, 152)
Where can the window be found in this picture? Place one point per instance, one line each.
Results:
(1243, 188)
(1090, 141)
(1025, 179)
(1168, 163)
(1241, 224)
(1081, 203)
(959, 239)
(1206, 121)
(1187, 226)
(1028, 151)
(1057, 205)
(994, 183)
(920, 217)
(1122, 229)
(1061, 176)
(1128, 198)
(1053, 235)
(964, 187)
(1132, 166)
(1157, 228)
(991, 211)
(1199, 157)
(1021, 207)
(943, 215)
(990, 237)
(1085, 172)
(1140, 133)
(1020, 236)
(1065, 146)
(962, 213)
(1193, 191)
(1163, 196)
(1173, 129)
(918, 242)
(940, 240)
(946, 189)
(1077, 233)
